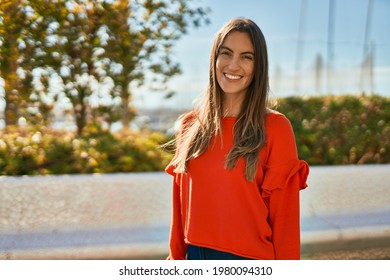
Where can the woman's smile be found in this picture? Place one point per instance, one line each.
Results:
(232, 76)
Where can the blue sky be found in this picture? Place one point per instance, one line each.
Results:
(279, 21)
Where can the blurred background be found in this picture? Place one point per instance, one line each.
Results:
(314, 47)
(89, 90)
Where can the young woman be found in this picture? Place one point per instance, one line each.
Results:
(236, 170)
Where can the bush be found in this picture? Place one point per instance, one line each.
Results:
(340, 129)
(37, 152)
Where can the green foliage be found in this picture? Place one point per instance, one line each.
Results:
(85, 46)
(24, 31)
(329, 130)
(340, 129)
(96, 151)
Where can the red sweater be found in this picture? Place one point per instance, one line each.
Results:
(218, 208)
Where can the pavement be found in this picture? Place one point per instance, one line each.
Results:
(126, 216)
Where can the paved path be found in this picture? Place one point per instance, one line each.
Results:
(345, 209)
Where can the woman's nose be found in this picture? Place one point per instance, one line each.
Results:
(234, 63)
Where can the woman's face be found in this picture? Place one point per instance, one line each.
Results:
(235, 63)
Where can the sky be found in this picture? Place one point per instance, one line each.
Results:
(297, 36)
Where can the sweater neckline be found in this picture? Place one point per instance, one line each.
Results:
(229, 118)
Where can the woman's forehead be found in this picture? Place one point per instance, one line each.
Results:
(238, 41)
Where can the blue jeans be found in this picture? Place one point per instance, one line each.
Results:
(202, 253)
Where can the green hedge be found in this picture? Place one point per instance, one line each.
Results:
(329, 130)
(344, 129)
(57, 152)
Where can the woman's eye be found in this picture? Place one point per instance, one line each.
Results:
(248, 57)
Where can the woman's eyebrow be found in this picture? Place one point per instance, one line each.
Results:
(226, 48)
(248, 52)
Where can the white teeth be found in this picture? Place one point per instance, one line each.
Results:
(232, 77)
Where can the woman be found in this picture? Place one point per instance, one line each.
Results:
(236, 170)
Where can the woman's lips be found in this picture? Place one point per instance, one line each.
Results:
(232, 76)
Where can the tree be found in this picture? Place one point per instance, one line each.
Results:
(118, 44)
(78, 45)
(88, 44)
(24, 26)
(12, 21)
(141, 35)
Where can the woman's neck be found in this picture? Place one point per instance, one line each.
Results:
(232, 105)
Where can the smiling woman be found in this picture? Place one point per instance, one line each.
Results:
(236, 170)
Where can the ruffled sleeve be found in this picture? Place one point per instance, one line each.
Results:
(279, 177)
(284, 176)
(281, 162)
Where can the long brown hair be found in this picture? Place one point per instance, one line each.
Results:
(205, 122)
